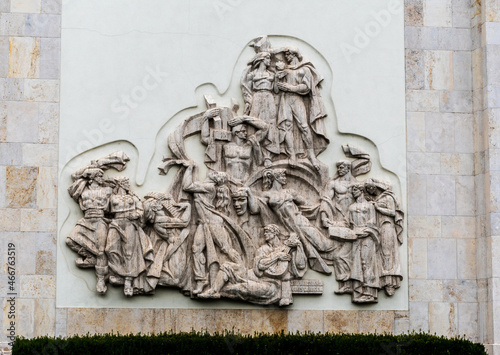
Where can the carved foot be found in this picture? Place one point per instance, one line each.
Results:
(292, 161)
(390, 290)
(200, 285)
(88, 262)
(127, 289)
(343, 290)
(209, 294)
(315, 163)
(101, 285)
(285, 302)
(115, 280)
(366, 299)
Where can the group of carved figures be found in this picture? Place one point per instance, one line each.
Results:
(241, 233)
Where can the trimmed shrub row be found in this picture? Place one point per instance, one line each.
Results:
(233, 343)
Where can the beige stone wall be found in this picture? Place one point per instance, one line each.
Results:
(453, 118)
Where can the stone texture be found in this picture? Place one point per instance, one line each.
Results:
(341, 321)
(129, 322)
(22, 122)
(439, 267)
(26, 6)
(40, 154)
(239, 321)
(37, 286)
(12, 89)
(46, 188)
(12, 24)
(41, 90)
(441, 195)
(304, 321)
(42, 25)
(376, 322)
(425, 290)
(419, 316)
(422, 101)
(439, 70)
(437, 13)
(465, 195)
(438, 135)
(424, 163)
(271, 321)
(163, 320)
(85, 320)
(9, 220)
(24, 57)
(443, 318)
(48, 122)
(201, 320)
(417, 251)
(416, 201)
(424, 227)
(460, 290)
(456, 101)
(51, 6)
(414, 13)
(458, 227)
(457, 164)
(415, 69)
(415, 122)
(38, 220)
(462, 73)
(4, 57)
(462, 13)
(45, 317)
(61, 322)
(21, 187)
(50, 57)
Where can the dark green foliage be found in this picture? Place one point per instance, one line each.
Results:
(232, 343)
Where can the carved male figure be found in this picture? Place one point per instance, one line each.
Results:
(168, 236)
(334, 214)
(243, 153)
(88, 237)
(301, 103)
(211, 199)
(247, 212)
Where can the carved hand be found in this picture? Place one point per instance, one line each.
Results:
(236, 121)
(213, 112)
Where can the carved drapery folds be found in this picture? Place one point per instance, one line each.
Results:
(266, 212)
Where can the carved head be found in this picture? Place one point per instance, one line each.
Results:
(292, 52)
(343, 167)
(271, 175)
(123, 182)
(373, 186)
(357, 190)
(94, 174)
(259, 58)
(218, 177)
(240, 201)
(240, 131)
(271, 231)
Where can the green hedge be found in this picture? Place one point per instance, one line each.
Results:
(231, 343)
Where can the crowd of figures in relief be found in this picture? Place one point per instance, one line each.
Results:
(265, 214)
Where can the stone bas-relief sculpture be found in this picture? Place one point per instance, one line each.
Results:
(265, 214)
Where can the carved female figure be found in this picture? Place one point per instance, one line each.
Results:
(259, 87)
(365, 267)
(284, 203)
(390, 224)
(128, 248)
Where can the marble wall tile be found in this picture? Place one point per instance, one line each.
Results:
(38, 220)
(462, 72)
(41, 90)
(424, 226)
(456, 39)
(461, 13)
(9, 220)
(163, 321)
(3, 185)
(271, 321)
(437, 13)
(460, 227)
(419, 316)
(465, 196)
(85, 320)
(417, 253)
(11, 154)
(341, 321)
(200, 320)
(45, 317)
(460, 290)
(415, 130)
(40, 155)
(303, 321)
(37, 286)
(22, 122)
(4, 57)
(50, 57)
(237, 320)
(48, 122)
(422, 101)
(21, 188)
(438, 135)
(464, 133)
(118, 321)
(25, 6)
(439, 70)
(442, 259)
(456, 101)
(24, 57)
(61, 322)
(12, 89)
(46, 188)
(443, 318)
(457, 164)
(12, 24)
(492, 30)
(376, 322)
(415, 69)
(414, 12)
(417, 204)
(423, 163)
(51, 6)
(477, 68)
(42, 25)
(441, 195)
